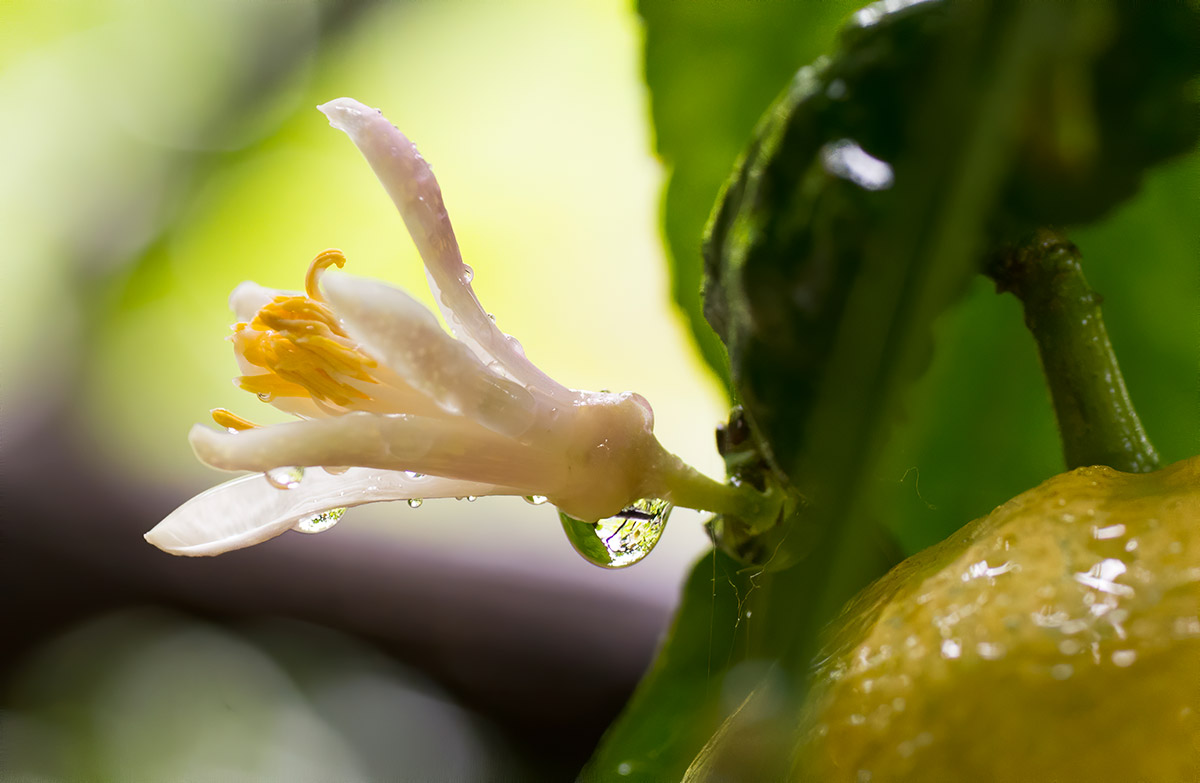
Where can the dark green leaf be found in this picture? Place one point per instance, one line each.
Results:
(711, 67)
(827, 292)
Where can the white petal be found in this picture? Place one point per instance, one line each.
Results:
(397, 330)
(249, 297)
(455, 448)
(409, 180)
(248, 510)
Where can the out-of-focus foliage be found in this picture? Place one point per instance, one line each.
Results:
(150, 695)
(672, 713)
(872, 449)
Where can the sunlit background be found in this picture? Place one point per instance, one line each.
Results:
(157, 154)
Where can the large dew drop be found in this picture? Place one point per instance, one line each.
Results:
(319, 523)
(288, 477)
(620, 540)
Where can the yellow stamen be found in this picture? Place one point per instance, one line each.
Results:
(269, 385)
(230, 420)
(304, 348)
(323, 261)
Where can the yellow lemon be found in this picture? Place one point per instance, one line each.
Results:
(1056, 639)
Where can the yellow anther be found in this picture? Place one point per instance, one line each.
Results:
(306, 351)
(301, 344)
(270, 385)
(297, 314)
(229, 420)
(323, 261)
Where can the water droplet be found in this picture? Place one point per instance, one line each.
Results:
(535, 500)
(624, 768)
(1061, 671)
(1124, 657)
(288, 477)
(415, 502)
(491, 317)
(467, 274)
(990, 651)
(412, 474)
(847, 160)
(620, 540)
(266, 396)
(1111, 531)
(471, 498)
(319, 523)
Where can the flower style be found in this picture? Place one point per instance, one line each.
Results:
(379, 386)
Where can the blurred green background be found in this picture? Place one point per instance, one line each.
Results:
(155, 155)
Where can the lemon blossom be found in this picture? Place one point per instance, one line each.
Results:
(393, 407)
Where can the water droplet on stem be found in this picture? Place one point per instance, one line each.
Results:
(620, 540)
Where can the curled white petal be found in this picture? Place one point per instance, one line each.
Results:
(409, 180)
(248, 510)
(249, 297)
(454, 448)
(397, 330)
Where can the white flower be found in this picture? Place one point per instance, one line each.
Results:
(378, 385)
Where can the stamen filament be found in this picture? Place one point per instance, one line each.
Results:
(324, 260)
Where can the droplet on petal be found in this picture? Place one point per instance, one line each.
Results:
(319, 523)
(287, 477)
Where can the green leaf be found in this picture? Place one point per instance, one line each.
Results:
(946, 95)
(711, 67)
(679, 702)
(828, 281)
(954, 457)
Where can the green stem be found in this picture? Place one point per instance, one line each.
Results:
(1096, 418)
(690, 488)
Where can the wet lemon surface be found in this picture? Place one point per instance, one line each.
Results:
(1056, 639)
